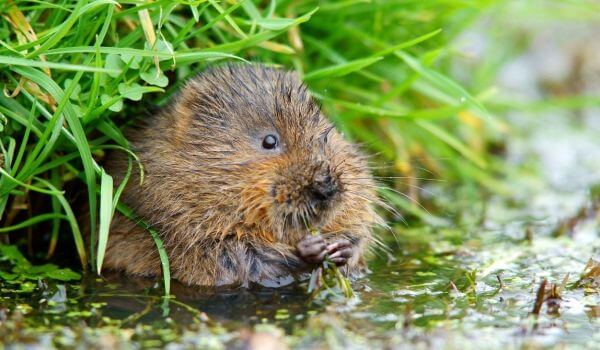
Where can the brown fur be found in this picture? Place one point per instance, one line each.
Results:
(228, 211)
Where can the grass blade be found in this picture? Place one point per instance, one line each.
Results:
(16, 61)
(33, 221)
(341, 69)
(106, 213)
(162, 253)
(452, 142)
(23, 184)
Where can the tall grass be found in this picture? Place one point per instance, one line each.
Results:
(74, 74)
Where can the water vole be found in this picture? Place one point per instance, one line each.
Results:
(236, 169)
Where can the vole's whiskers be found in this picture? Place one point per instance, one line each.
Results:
(379, 202)
(400, 177)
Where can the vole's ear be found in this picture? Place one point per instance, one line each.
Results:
(324, 137)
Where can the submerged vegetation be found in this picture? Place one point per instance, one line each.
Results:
(490, 240)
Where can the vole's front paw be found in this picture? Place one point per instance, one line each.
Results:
(340, 252)
(312, 249)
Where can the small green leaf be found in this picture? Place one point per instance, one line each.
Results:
(115, 107)
(64, 275)
(78, 111)
(33, 272)
(26, 287)
(7, 276)
(163, 47)
(132, 92)
(135, 91)
(114, 64)
(13, 255)
(133, 61)
(76, 91)
(79, 314)
(155, 77)
(275, 23)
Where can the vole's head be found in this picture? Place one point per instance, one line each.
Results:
(254, 149)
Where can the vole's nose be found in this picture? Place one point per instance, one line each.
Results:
(323, 187)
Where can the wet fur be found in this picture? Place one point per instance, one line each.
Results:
(229, 212)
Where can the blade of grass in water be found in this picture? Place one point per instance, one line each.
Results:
(55, 203)
(109, 202)
(162, 253)
(106, 211)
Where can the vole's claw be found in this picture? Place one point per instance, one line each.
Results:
(340, 251)
(339, 261)
(312, 249)
(338, 245)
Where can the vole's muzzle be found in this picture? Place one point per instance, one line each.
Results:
(324, 186)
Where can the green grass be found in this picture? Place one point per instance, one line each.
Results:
(76, 73)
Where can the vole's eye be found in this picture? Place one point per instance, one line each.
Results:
(270, 142)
